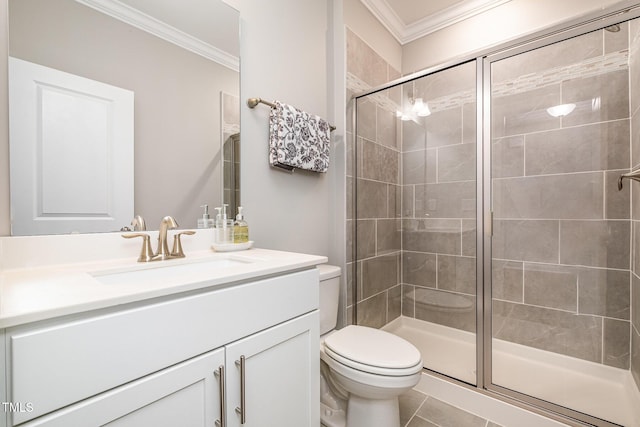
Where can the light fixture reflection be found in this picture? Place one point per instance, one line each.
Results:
(420, 108)
(561, 110)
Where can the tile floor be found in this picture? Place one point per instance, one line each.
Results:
(420, 410)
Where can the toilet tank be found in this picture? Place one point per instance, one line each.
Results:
(329, 296)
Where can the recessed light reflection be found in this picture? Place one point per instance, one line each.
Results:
(561, 110)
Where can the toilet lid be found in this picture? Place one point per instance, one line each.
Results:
(373, 347)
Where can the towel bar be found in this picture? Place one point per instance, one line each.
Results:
(252, 102)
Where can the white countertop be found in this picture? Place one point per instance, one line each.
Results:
(32, 293)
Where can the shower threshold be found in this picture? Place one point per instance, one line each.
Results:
(598, 390)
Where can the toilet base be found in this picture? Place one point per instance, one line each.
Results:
(373, 412)
(330, 417)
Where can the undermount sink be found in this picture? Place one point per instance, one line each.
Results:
(165, 271)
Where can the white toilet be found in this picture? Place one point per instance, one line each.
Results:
(363, 370)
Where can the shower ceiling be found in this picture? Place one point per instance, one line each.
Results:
(408, 20)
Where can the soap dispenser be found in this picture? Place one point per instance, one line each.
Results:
(240, 228)
(205, 221)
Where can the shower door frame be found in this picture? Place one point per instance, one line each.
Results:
(621, 12)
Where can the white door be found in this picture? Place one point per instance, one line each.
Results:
(187, 394)
(281, 376)
(71, 150)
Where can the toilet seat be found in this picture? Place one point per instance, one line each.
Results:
(373, 351)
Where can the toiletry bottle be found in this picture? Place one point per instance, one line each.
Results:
(227, 226)
(240, 228)
(205, 221)
(219, 231)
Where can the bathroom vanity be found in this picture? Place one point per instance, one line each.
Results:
(211, 340)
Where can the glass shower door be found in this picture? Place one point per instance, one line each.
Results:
(416, 216)
(560, 273)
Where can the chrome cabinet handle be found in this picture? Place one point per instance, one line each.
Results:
(222, 422)
(242, 410)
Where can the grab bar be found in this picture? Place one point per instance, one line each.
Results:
(634, 175)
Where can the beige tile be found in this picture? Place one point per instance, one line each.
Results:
(457, 163)
(614, 42)
(551, 286)
(445, 415)
(371, 199)
(572, 196)
(379, 163)
(379, 274)
(591, 147)
(457, 274)
(419, 269)
(410, 401)
(372, 311)
(507, 157)
(611, 91)
(432, 235)
(469, 123)
(446, 200)
(617, 351)
(507, 280)
(444, 128)
(526, 240)
(386, 124)
(595, 243)
(414, 136)
(366, 118)
(547, 329)
(363, 62)
(461, 78)
(524, 112)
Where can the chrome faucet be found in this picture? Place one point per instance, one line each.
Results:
(162, 252)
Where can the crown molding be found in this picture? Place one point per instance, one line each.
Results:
(144, 22)
(429, 24)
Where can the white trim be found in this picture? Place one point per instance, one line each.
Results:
(147, 23)
(429, 24)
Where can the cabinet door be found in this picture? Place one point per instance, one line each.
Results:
(187, 394)
(281, 376)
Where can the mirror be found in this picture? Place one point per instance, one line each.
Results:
(180, 62)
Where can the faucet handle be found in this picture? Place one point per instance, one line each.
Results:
(146, 253)
(177, 244)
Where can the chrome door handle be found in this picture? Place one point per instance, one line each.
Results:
(242, 410)
(222, 422)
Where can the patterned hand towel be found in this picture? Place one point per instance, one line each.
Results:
(298, 139)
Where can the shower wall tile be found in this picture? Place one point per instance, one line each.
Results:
(525, 112)
(408, 301)
(526, 240)
(617, 203)
(617, 349)
(457, 163)
(551, 286)
(634, 63)
(444, 128)
(419, 269)
(379, 274)
(547, 329)
(408, 201)
(595, 243)
(388, 235)
(635, 356)
(635, 301)
(457, 274)
(560, 54)
(574, 196)
(507, 157)
(600, 98)
(350, 241)
(366, 119)
(386, 128)
(419, 167)
(394, 205)
(507, 280)
(364, 62)
(635, 251)
(614, 42)
(366, 238)
(446, 308)
(379, 163)
(349, 282)
(372, 311)
(448, 200)
(371, 199)
(414, 136)
(578, 149)
(432, 235)
(457, 79)
(604, 292)
(469, 123)
(469, 237)
(635, 136)
(394, 305)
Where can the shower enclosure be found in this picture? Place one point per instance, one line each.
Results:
(488, 226)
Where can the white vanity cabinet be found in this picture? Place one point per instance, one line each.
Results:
(159, 363)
